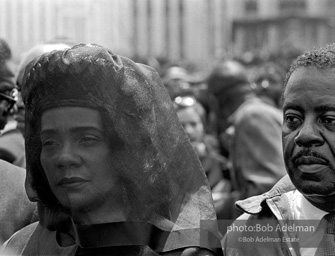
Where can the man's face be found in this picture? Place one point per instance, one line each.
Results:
(77, 159)
(309, 130)
(6, 86)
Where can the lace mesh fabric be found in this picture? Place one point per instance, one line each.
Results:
(164, 181)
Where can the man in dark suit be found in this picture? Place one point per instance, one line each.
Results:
(16, 211)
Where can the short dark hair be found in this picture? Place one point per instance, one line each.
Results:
(5, 51)
(321, 58)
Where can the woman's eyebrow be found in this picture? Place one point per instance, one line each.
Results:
(48, 132)
(85, 129)
(77, 129)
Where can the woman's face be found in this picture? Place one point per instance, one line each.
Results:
(191, 121)
(76, 158)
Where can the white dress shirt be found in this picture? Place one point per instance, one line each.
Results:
(302, 209)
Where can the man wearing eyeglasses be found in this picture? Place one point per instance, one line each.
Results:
(11, 139)
(16, 211)
(7, 92)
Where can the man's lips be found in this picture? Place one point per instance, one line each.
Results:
(309, 160)
(312, 169)
(71, 182)
(309, 157)
(19, 119)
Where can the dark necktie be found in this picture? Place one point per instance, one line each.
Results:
(327, 244)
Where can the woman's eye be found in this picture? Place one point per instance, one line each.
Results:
(87, 140)
(48, 143)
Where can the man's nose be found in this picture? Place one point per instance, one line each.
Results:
(309, 135)
(67, 156)
(13, 110)
(19, 102)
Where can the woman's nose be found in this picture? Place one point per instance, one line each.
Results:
(309, 135)
(67, 157)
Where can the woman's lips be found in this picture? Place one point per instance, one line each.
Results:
(71, 182)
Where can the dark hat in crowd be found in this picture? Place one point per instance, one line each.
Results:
(227, 75)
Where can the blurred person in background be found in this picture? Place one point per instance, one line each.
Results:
(11, 141)
(16, 211)
(192, 116)
(175, 79)
(109, 163)
(179, 81)
(267, 82)
(250, 130)
(7, 86)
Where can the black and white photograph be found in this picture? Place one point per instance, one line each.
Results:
(167, 127)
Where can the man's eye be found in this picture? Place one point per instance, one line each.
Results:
(330, 120)
(292, 120)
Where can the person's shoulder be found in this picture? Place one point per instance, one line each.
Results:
(258, 107)
(8, 167)
(11, 175)
(11, 145)
(256, 113)
(17, 242)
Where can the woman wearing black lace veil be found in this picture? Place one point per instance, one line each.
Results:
(108, 162)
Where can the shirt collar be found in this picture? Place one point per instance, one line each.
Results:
(304, 210)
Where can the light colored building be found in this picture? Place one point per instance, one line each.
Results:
(172, 29)
(197, 30)
(269, 25)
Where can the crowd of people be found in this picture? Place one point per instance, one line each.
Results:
(103, 155)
